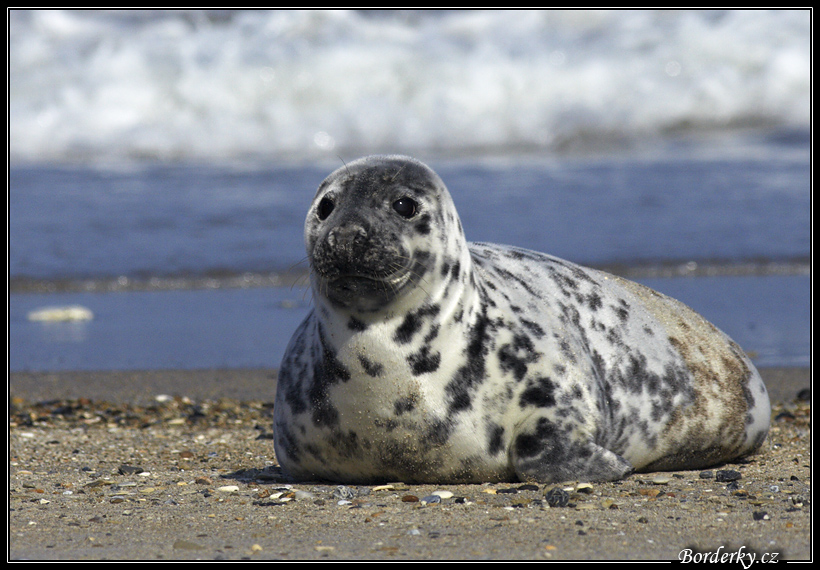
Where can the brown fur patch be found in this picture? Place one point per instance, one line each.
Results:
(712, 429)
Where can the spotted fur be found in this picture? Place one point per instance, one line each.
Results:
(428, 359)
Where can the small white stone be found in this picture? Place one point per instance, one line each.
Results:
(58, 314)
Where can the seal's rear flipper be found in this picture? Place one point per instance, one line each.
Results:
(549, 457)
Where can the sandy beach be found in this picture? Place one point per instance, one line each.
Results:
(169, 465)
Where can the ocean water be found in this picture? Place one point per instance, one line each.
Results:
(162, 162)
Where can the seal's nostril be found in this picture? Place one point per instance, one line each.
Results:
(346, 236)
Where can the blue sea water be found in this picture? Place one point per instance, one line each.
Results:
(146, 145)
(187, 222)
(76, 222)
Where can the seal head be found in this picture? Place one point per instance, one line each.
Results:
(368, 232)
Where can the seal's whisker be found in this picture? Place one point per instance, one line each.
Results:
(306, 289)
(302, 277)
(397, 173)
(408, 258)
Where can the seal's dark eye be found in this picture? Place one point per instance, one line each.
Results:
(406, 207)
(325, 208)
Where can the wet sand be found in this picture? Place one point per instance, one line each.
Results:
(103, 468)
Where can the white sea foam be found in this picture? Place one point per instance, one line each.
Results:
(122, 85)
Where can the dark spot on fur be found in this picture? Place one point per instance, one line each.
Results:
(517, 355)
(291, 447)
(328, 372)
(471, 374)
(386, 425)
(373, 369)
(430, 336)
(496, 439)
(563, 281)
(412, 323)
(445, 269)
(422, 256)
(622, 311)
(532, 444)
(292, 370)
(423, 225)
(422, 362)
(438, 432)
(456, 270)
(292, 391)
(594, 301)
(566, 350)
(577, 272)
(403, 405)
(540, 393)
(508, 276)
(346, 444)
(534, 328)
(355, 324)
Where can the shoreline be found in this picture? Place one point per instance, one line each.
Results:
(243, 384)
(635, 269)
(102, 468)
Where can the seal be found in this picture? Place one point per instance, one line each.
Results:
(429, 359)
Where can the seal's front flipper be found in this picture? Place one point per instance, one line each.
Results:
(547, 455)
